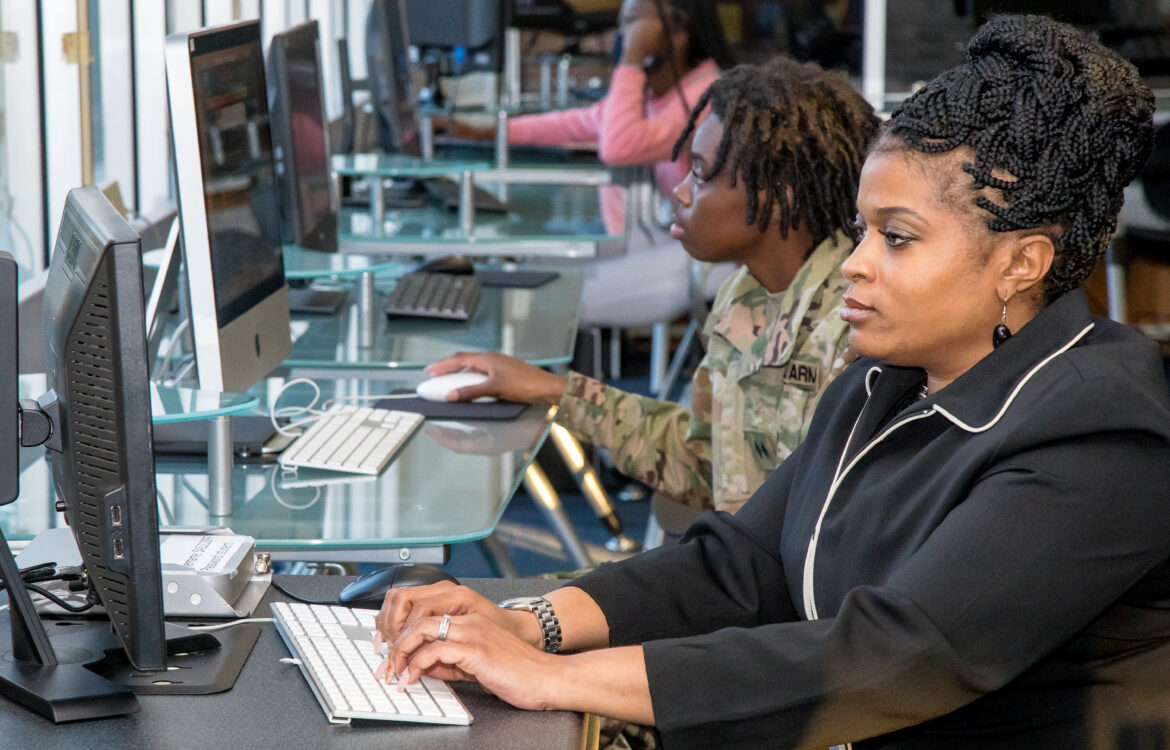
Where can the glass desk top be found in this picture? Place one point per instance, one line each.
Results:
(168, 403)
(559, 220)
(450, 483)
(536, 325)
(400, 165)
(300, 263)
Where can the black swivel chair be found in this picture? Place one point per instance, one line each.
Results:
(1143, 228)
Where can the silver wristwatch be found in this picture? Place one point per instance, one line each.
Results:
(550, 626)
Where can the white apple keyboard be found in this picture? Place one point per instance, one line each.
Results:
(357, 439)
(334, 647)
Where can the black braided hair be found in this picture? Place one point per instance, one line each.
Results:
(705, 38)
(1058, 125)
(794, 125)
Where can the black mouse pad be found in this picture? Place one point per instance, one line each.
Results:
(515, 279)
(454, 409)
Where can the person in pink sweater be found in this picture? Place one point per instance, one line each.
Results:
(671, 51)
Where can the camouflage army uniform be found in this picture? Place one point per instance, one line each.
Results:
(752, 396)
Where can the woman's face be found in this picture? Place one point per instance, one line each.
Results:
(710, 214)
(925, 275)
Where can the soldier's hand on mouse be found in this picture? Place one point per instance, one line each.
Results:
(508, 378)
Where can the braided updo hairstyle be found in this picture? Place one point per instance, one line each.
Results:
(790, 125)
(1058, 126)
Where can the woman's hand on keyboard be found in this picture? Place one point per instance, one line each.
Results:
(509, 378)
(404, 607)
(476, 648)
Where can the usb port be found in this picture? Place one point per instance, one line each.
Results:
(115, 515)
(119, 550)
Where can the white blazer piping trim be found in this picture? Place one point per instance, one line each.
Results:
(810, 605)
(875, 370)
(1015, 391)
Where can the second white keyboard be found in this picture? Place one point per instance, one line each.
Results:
(335, 649)
(358, 439)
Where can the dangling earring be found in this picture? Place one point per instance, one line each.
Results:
(1001, 332)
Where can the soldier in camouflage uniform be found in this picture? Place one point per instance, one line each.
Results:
(774, 336)
(751, 398)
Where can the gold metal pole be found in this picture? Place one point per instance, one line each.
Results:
(84, 59)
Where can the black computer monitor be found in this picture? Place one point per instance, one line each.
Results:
(229, 209)
(103, 476)
(560, 16)
(475, 26)
(388, 73)
(103, 469)
(300, 141)
(1084, 12)
(9, 374)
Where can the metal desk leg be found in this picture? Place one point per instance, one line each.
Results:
(502, 150)
(365, 310)
(587, 479)
(659, 355)
(377, 203)
(219, 466)
(546, 64)
(497, 556)
(466, 203)
(563, 82)
(549, 503)
(1115, 276)
(426, 136)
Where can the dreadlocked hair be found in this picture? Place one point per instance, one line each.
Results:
(1058, 125)
(790, 125)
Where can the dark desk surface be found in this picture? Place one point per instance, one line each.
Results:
(271, 706)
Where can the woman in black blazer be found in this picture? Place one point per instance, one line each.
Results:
(972, 547)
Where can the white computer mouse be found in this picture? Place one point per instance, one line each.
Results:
(437, 388)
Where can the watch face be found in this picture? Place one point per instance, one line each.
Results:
(523, 601)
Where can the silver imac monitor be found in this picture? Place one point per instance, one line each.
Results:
(229, 207)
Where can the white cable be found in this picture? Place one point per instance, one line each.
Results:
(171, 342)
(294, 411)
(182, 373)
(328, 403)
(232, 624)
(291, 412)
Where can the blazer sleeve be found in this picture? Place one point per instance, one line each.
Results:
(1045, 541)
(722, 573)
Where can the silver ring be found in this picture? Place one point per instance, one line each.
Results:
(444, 626)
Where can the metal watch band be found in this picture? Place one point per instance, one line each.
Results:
(550, 626)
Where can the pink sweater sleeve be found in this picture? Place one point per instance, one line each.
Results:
(627, 135)
(556, 128)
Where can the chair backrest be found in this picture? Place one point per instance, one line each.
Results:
(1155, 176)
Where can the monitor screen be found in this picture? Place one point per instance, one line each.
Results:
(474, 25)
(239, 180)
(388, 69)
(229, 208)
(309, 219)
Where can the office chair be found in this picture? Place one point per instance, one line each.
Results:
(1143, 225)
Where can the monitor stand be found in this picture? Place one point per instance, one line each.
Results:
(253, 438)
(315, 299)
(59, 678)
